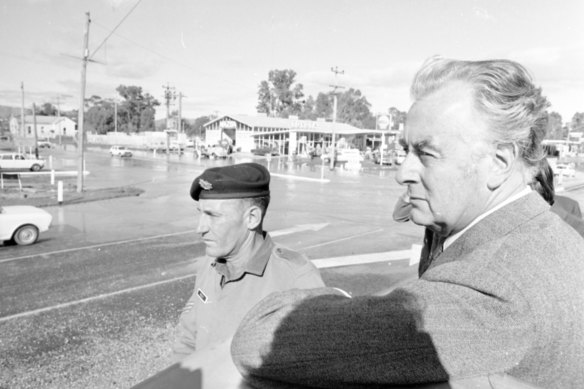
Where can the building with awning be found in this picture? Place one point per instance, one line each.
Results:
(291, 135)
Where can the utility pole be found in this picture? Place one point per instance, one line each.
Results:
(169, 94)
(22, 129)
(336, 71)
(36, 139)
(59, 130)
(116, 116)
(80, 133)
(180, 96)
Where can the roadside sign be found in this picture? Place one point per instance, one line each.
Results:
(383, 122)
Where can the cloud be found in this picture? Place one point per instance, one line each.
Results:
(553, 63)
(13, 98)
(136, 71)
(395, 76)
(558, 70)
(383, 87)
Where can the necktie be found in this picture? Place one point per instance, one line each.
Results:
(436, 247)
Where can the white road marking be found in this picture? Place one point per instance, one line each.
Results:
(343, 239)
(298, 228)
(93, 298)
(98, 245)
(361, 259)
(300, 178)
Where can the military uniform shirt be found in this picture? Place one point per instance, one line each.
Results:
(217, 305)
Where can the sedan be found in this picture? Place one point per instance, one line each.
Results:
(19, 161)
(120, 151)
(22, 224)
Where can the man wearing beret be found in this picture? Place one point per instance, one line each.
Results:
(242, 263)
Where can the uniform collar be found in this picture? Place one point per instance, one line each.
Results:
(253, 258)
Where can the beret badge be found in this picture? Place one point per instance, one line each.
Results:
(205, 184)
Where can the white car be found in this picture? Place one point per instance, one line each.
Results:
(120, 151)
(19, 161)
(565, 169)
(45, 144)
(23, 223)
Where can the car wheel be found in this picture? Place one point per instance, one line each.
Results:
(25, 235)
(35, 167)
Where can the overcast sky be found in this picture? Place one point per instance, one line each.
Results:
(216, 52)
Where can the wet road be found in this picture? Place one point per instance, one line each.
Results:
(114, 245)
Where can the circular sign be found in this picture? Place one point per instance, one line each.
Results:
(383, 122)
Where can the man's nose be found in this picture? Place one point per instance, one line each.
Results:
(407, 173)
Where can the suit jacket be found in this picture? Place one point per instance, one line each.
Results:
(506, 297)
(569, 210)
(569, 205)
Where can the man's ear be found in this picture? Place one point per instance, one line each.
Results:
(504, 160)
(254, 217)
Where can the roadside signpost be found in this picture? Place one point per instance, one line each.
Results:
(383, 122)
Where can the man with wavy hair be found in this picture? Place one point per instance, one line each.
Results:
(502, 293)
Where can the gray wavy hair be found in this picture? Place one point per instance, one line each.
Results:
(512, 105)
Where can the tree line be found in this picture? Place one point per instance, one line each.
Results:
(278, 96)
(281, 96)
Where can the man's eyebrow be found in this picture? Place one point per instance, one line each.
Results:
(422, 144)
(417, 145)
(211, 212)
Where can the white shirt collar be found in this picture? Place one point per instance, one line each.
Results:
(448, 241)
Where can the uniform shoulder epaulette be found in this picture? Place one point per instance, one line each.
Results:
(290, 255)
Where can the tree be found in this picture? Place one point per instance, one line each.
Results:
(397, 116)
(100, 115)
(48, 109)
(138, 110)
(354, 109)
(279, 96)
(307, 112)
(196, 128)
(323, 107)
(577, 123)
(554, 127)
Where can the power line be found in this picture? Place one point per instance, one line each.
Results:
(172, 60)
(115, 28)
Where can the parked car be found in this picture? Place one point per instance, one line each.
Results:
(265, 151)
(45, 144)
(565, 169)
(120, 151)
(400, 157)
(19, 161)
(387, 159)
(214, 152)
(22, 224)
(349, 156)
(175, 147)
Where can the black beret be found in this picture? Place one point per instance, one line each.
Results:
(239, 181)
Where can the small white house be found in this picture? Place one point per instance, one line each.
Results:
(50, 127)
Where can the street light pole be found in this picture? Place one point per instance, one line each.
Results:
(336, 71)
